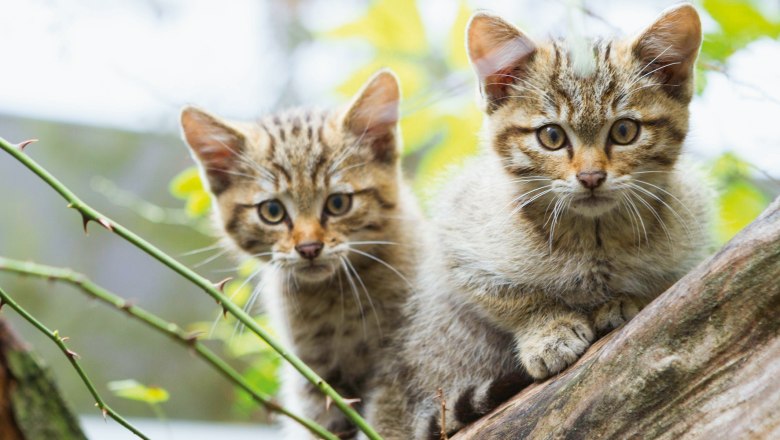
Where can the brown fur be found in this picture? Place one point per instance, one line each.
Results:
(337, 310)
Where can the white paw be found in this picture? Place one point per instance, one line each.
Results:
(550, 350)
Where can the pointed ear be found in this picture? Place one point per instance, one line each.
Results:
(498, 52)
(215, 144)
(373, 115)
(667, 49)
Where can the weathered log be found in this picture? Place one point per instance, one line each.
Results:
(701, 361)
(31, 407)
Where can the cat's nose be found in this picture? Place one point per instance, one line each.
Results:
(591, 179)
(309, 250)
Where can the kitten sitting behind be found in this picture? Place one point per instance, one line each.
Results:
(319, 198)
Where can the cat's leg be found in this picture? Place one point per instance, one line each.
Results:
(548, 335)
(306, 400)
(387, 411)
(617, 311)
(464, 404)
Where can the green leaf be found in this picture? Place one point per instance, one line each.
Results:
(133, 390)
(410, 74)
(198, 203)
(740, 23)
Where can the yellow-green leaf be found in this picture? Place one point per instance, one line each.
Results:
(185, 183)
(411, 75)
(460, 141)
(419, 127)
(393, 26)
(739, 204)
(456, 50)
(198, 203)
(134, 390)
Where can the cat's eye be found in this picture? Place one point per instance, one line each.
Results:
(624, 131)
(551, 136)
(271, 212)
(338, 204)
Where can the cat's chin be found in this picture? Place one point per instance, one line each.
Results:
(593, 206)
(315, 272)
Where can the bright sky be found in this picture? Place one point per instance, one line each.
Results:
(132, 64)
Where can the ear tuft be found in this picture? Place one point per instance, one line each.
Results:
(374, 113)
(215, 144)
(668, 48)
(498, 52)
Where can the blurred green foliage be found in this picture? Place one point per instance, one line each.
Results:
(439, 129)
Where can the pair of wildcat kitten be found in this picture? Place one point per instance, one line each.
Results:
(576, 216)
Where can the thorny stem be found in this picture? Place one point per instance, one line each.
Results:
(90, 214)
(73, 359)
(168, 328)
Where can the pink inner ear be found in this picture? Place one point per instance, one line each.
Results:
(215, 145)
(375, 112)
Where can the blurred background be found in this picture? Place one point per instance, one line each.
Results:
(100, 84)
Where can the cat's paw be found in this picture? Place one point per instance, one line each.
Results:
(613, 313)
(557, 345)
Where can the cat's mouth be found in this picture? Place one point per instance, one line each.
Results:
(313, 270)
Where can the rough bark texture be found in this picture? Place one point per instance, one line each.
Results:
(30, 404)
(702, 361)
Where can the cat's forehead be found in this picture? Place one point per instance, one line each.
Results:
(580, 82)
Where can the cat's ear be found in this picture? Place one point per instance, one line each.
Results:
(667, 49)
(216, 145)
(373, 115)
(499, 53)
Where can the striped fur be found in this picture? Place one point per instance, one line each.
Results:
(337, 310)
(526, 265)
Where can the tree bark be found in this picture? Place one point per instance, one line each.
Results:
(31, 407)
(701, 361)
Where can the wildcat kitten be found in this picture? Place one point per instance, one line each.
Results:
(576, 216)
(319, 197)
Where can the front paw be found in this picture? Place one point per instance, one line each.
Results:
(613, 313)
(547, 351)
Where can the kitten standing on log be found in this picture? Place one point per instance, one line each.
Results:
(319, 197)
(576, 216)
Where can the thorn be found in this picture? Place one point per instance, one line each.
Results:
(328, 403)
(221, 285)
(105, 414)
(126, 306)
(192, 338)
(351, 402)
(23, 144)
(224, 312)
(106, 224)
(2, 303)
(72, 354)
(85, 221)
(64, 338)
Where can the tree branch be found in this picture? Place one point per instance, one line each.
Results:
(90, 214)
(701, 360)
(176, 333)
(73, 359)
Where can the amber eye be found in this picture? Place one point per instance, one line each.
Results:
(624, 131)
(551, 136)
(271, 212)
(338, 204)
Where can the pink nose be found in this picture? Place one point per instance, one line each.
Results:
(309, 250)
(591, 179)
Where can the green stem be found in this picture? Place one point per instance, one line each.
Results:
(90, 214)
(73, 359)
(167, 328)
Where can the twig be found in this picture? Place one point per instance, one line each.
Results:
(443, 431)
(167, 328)
(90, 214)
(73, 359)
